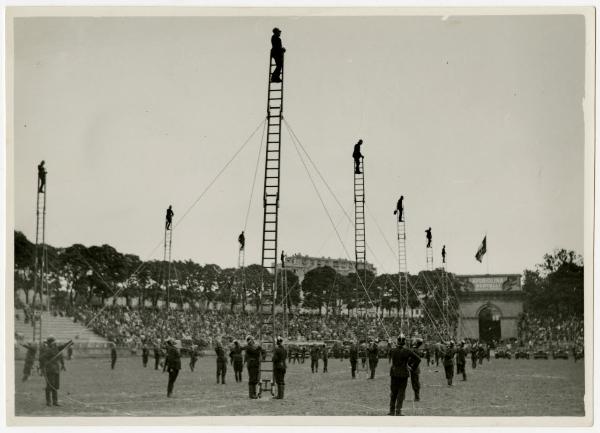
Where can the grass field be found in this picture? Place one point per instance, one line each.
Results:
(496, 388)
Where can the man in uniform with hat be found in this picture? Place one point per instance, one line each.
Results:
(237, 360)
(415, 372)
(42, 177)
(314, 358)
(169, 217)
(277, 51)
(403, 359)
(172, 364)
(357, 156)
(325, 355)
(373, 358)
(50, 359)
(279, 367)
(354, 358)
(193, 357)
(253, 353)
(113, 355)
(242, 240)
(145, 354)
(156, 351)
(449, 362)
(221, 362)
(461, 360)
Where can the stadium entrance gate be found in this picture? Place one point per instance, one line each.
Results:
(489, 324)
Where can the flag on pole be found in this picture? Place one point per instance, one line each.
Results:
(482, 250)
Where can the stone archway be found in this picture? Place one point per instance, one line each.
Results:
(489, 323)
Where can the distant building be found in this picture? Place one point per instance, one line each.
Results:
(300, 265)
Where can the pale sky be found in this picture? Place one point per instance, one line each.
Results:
(477, 121)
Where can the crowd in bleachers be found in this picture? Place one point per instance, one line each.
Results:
(550, 330)
(130, 327)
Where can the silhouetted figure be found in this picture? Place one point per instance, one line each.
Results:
(170, 214)
(357, 156)
(444, 254)
(428, 235)
(282, 259)
(172, 365)
(277, 51)
(399, 208)
(41, 177)
(242, 240)
(113, 355)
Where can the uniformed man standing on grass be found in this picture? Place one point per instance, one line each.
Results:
(354, 358)
(415, 372)
(253, 354)
(172, 365)
(325, 354)
(448, 356)
(474, 352)
(113, 355)
(237, 360)
(221, 362)
(156, 355)
(461, 361)
(363, 356)
(403, 359)
(193, 357)
(373, 358)
(145, 354)
(279, 367)
(50, 360)
(314, 358)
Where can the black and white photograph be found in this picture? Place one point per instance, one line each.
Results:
(351, 213)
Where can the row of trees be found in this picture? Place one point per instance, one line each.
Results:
(84, 275)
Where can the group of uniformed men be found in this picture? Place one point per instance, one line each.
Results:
(405, 363)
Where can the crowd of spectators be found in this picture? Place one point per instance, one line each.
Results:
(132, 326)
(550, 330)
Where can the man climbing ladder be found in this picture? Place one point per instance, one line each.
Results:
(169, 217)
(277, 51)
(357, 156)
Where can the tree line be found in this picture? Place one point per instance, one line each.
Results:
(80, 275)
(556, 285)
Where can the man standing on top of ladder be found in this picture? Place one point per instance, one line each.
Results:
(357, 156)
(399, 208)
(242, 240)
(444, 254)
(170, 214)
(277, 51)
(282, 259)
(428, 235)
(41, 177)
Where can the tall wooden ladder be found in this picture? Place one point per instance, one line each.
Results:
(360, 242)
(270, 226)
(403, 272)
(168, 244)
(40, 282)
